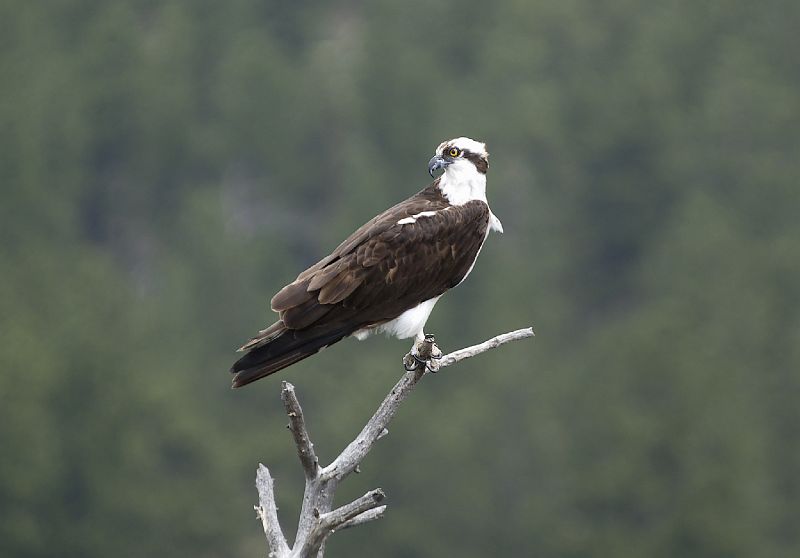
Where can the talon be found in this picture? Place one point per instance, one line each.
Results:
(412, 360)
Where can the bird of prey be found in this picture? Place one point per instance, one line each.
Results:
(387, 276)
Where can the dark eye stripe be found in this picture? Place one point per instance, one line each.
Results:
(481, 163)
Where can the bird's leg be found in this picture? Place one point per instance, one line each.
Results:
(434, 354)
(423, 352)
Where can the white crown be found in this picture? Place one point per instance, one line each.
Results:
(476, 147)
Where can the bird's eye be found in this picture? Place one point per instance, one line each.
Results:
(453, 152)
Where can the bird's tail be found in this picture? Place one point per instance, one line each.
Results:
(277, 347)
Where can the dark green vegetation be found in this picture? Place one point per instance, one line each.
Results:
(165, 167)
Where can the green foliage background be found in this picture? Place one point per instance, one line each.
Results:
(166, 166)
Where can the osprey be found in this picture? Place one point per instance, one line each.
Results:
(388, 275)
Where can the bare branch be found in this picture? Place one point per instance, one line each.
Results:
(329, 522)
(354, 453)
(317, 522)
(297, 425)
(358, 449)
(369, 515)
(493, 343)
(268, 513)
(343, 514)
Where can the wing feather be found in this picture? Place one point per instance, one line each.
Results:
(340, 287)
(386, 267)
(326, 275)
(293, 294)
(306, 314)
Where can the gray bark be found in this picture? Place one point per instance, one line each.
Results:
(318, 520)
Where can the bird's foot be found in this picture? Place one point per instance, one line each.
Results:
(425, 353)
(410, 362)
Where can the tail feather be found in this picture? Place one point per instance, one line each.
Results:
(284, 348)
(264, 336)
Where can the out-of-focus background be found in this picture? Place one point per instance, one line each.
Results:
(166, 166)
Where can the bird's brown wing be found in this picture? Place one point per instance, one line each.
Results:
(380, 271)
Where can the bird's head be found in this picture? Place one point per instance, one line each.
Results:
(460, 155)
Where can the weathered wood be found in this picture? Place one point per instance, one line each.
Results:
(297, 425)
(317, 519)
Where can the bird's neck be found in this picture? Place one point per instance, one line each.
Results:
(462, 183)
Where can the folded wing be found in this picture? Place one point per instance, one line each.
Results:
(410, 253)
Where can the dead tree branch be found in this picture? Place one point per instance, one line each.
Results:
(297, 425)
(268, 513)
(318, 520)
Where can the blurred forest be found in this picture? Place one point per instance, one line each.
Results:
(167, 166)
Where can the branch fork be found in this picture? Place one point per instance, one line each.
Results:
(318, 520)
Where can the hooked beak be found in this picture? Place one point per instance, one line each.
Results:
(437, 163)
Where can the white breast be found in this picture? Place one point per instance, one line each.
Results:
(462, 183)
